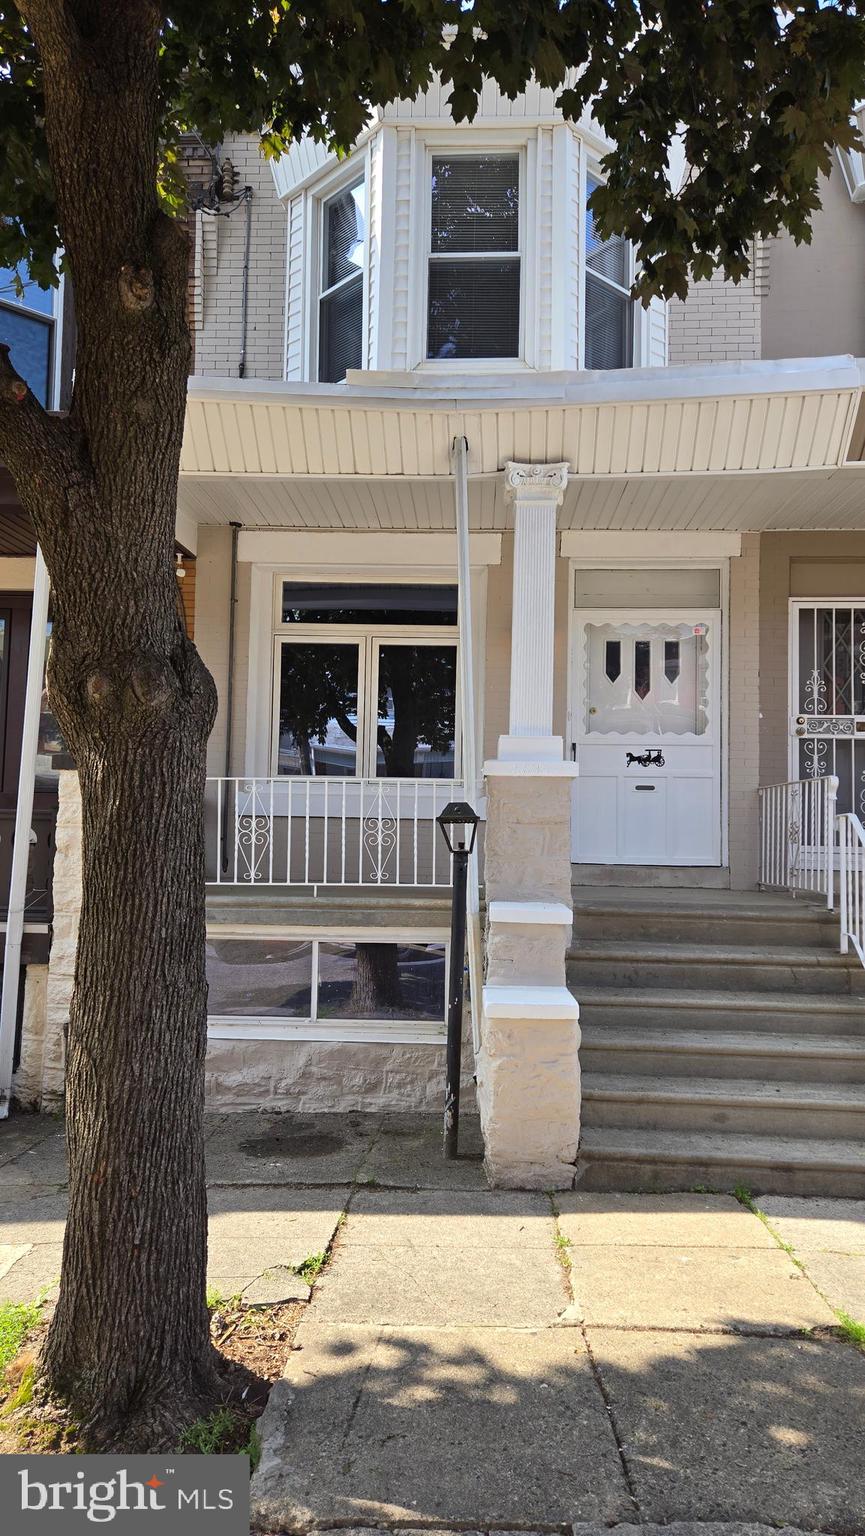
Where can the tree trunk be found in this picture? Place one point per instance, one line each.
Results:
(128, 1348)
(376, 991)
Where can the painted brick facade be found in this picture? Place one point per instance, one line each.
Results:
(218, 274)
(719, 322)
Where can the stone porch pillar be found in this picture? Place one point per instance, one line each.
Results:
(528, 1067)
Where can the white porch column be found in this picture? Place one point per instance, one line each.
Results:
(536, 491)
(528, 1064)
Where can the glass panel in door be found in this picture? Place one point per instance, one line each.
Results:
(647, 679)
(416, 724)
(318, 709)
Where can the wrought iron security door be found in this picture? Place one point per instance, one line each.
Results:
(827, 696)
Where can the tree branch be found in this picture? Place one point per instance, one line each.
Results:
(40, 451)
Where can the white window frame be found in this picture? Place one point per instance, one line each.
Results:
(592, 171)
(230, 1026)
(342, 179)
(509, 142)
(369, 638)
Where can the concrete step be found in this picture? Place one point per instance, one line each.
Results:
(799, 1013)
(742, 1105)
(670, 917)
(645, 1052)
(738, 968)
(616, 1159)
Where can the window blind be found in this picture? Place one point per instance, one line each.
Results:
(340, 338)
(474, 266)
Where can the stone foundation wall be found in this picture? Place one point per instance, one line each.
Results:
(64, 942)
(27, 1082)
(306, 1075)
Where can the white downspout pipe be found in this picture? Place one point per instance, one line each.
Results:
(469, 733)
(23, 823)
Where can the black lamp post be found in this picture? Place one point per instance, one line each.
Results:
(459, 825)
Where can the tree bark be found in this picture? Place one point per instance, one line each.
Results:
(376, 988)
(129, 1347)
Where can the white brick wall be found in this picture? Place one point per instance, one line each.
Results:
(218, 331)
(719, 322)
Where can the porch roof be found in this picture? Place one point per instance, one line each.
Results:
(737, 447)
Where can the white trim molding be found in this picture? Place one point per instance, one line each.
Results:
(355, 552)
(536, 491)
(589, 544)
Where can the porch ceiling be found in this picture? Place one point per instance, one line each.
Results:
(815, 499)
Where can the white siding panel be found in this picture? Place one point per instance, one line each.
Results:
(294, 329)
(541, 226)
(401, 248)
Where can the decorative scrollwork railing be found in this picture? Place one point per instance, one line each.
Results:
(327, 831)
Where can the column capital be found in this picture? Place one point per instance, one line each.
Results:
(535, 482)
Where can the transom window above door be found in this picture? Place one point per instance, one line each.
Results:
(365, 681)
(473, 307)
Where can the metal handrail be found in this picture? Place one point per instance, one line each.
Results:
(851, 843)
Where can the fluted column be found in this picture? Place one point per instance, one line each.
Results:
(536, 491)
(528, 1073)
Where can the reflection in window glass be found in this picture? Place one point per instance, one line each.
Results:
(29, 343)
(318, 710)
(341, 308)
(609, 308)
(366, 603)
(381, 981)
(260, 978)
(416, 711)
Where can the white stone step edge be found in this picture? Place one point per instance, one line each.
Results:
(554, 913)
(528, 1002)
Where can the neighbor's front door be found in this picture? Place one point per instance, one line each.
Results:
(645, 718)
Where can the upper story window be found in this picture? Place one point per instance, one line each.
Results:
(340, 325)
(474, 258)
(609, 307)
(27, 328)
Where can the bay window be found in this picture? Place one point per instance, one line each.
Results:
(473, 306)
(609, 316)
(340, 318)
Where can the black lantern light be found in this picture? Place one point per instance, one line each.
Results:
(459, 826)
(458, 817)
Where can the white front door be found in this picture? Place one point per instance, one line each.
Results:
(645, 731)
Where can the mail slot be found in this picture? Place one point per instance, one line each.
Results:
(643, 786)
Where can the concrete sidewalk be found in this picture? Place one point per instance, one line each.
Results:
(481, 1360)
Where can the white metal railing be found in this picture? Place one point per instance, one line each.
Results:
(327, 831)
(851, 845)
(797, 836)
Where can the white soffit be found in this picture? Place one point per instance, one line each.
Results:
(828, 499)
(359, 550)
(287, 431)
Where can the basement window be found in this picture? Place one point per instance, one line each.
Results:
(326, 989)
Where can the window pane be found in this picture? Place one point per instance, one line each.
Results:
(416, 711)
(265, 978)
(609, 334)
(341, 333)
(29, 341)
(344, 230)
(381, 981)
(366, 603)
(475, 203)
(34, 297)
(609, 257)
(474, 309)
(318, 709)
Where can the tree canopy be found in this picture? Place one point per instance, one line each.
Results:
(760, 91)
